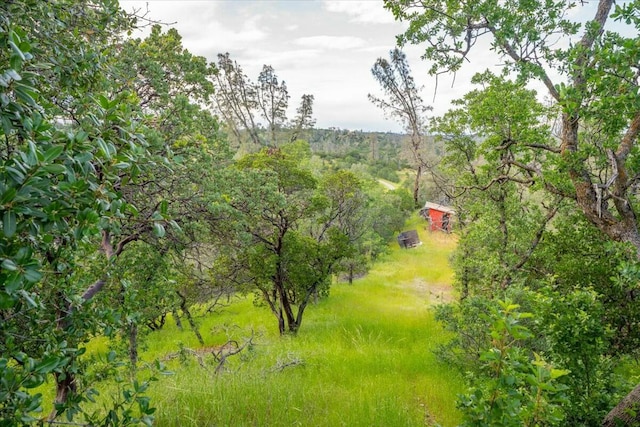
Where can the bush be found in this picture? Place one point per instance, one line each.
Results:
(512, 388)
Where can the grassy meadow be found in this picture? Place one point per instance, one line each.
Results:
(363, 356)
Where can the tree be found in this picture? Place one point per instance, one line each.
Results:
(304, 117)
(273, 100)
(289, 231)
(593, 159)
(172, 87)
(505, 220)
(236, 99)
(348, 210)
(85, 172)
(403, 103)
(590, 97)
(241, 102)
(59, 182)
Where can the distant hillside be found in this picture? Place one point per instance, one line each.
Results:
(378, 154)
(368, 146)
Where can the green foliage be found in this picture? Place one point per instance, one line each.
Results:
(579, 340)
(346, 147)
(620, 310)
(85, 170)
(49, 188)
(501, 208)
(501, 161)
(513, 388)
(289, 232)
(19, 402)
(469, 322)
(569, 328)
(390, 210)
(131, 404)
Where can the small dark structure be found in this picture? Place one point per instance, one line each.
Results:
(439, 216)
(409, 239)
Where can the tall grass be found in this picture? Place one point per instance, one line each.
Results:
(363, 357)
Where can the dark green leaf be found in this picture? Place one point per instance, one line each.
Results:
(16, 50)
(9, 265)
(104, 102)
(16, 175)
(8, 196)
(32, 275)
(9, 223)
(53, 152)
(55, 168)
(48, 365)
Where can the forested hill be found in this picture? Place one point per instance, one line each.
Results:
(380, 154)
(358, 143)
(377, 154)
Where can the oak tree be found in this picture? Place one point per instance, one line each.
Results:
(592, 75)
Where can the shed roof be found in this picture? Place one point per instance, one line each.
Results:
(440, 208)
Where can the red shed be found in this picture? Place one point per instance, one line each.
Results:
(439, 217)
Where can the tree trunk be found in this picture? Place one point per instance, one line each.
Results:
(176, 318)
(416, 186)
(627, 412)
(193, 325)
(294, 326)
(187, 313)
(65, 380)
(281, 294)
(288, 311)
(65, 387)
(281, 324)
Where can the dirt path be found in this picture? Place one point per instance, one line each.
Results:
(438, 293)
(387, 184)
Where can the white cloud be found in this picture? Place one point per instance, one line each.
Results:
(365, 11)
(217, 34)
(283, 61)
(330, 42)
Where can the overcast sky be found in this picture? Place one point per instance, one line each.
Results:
(321, 47)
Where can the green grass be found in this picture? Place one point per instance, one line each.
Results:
(366, 352)
(365, 355)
